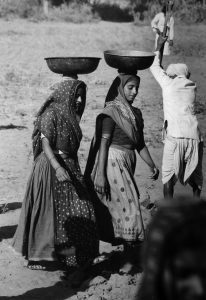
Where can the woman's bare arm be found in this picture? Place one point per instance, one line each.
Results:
(145, 155)
(91, 159)
(100, 182)
(61, 173)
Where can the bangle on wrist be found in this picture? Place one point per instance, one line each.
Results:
(57, 168)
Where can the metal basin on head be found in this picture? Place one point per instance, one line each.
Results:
(129, 60)
(69, 66)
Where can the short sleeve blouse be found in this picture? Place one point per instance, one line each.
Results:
(118, 136)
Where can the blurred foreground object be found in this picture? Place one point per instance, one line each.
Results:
(175, 253)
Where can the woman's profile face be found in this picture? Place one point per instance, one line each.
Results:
(80, 100)
(131, 90)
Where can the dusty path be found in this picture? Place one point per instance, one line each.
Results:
(24, 84)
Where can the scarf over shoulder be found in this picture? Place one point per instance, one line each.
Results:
(128, 118)
(56, 120)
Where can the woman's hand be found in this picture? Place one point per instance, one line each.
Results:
(154, 173)
(62, 174)
(145, 155)
(101, 185)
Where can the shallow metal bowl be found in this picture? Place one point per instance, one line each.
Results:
(72, 65)
(129, 60)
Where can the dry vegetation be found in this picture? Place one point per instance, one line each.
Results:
(78, 11)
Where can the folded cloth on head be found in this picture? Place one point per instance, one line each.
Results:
(177, 69)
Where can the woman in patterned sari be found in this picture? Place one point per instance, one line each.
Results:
(119, 132)
(57, 217)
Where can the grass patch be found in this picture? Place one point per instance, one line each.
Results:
(188, 42)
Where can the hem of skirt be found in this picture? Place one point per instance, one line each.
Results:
(31, 258)
(137, 238)
(41, 258)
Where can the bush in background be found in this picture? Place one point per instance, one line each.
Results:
(19, 8)
(113, 12)
(192, 14)
(73, 12)
(78, 11)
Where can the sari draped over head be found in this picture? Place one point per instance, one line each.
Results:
(128, 118)
(127, 224)
(178, 70)
(56, 120)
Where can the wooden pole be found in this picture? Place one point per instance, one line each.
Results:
(169, 5)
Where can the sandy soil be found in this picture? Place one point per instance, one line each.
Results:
(24, 84)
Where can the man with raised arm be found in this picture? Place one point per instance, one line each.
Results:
(183, 145)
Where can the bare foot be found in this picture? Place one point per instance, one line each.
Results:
(126, 268)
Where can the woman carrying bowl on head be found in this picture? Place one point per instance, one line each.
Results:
(119, 132)
(57, 217)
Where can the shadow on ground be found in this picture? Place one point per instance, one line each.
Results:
(57, 292)
(12, 126)
(10, 206)
(7, 232)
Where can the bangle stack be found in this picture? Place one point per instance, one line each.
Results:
(57, 168)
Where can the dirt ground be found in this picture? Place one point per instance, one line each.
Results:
(24, 84)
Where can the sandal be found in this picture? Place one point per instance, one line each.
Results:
(35, 266)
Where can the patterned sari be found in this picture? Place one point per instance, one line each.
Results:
(70, 219)
(127, 214)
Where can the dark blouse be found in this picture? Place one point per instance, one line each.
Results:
(118, 136)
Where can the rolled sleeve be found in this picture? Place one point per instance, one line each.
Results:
(159, 73)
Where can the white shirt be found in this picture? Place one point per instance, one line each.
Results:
(158, 22)
(178, 103)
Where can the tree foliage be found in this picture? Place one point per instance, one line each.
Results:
(113, 10)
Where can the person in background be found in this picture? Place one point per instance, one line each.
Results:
(57, 218)
(174, 253)
(157, 25)
(119, 132)
(183, 144)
